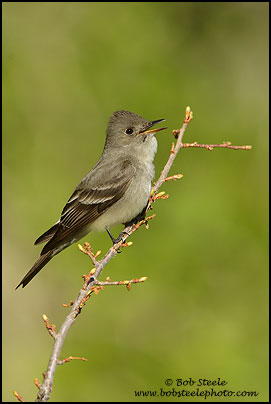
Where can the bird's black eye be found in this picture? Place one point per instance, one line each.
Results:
(129, 131)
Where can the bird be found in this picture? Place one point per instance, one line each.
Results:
(115, 191)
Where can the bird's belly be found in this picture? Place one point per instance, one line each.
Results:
(127, 208)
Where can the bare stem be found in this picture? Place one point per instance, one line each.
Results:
(174, 150)
(225, 145)
(69, 359)
(18, 396)
(126, 283)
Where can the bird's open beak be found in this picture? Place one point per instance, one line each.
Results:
(152, 123)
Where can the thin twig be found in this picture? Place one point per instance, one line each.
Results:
(51, 328)
(69, 359)
(173, 151)
(19, 397)
(116, 283)
(225, 145)
(37, 383)
(88, 251)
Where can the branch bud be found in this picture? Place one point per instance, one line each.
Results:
(97, 253)
(81, 248)
(160, 194)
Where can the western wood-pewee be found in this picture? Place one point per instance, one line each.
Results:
(115, 191)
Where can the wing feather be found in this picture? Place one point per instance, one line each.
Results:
(90, 199)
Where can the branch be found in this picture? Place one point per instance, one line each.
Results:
(69, 359)
(225, 145)
(91, 283)
(88, 251)
(51, 328)
(173, 151)
(116, 283)
(18, 396)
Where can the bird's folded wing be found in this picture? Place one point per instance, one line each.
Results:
(89, 201)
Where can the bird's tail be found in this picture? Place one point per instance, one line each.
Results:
(39, 264)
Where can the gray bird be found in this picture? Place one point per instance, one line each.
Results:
(115, 191)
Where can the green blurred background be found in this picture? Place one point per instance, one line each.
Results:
(202, 313)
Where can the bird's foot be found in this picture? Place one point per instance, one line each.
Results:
(118, 239)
